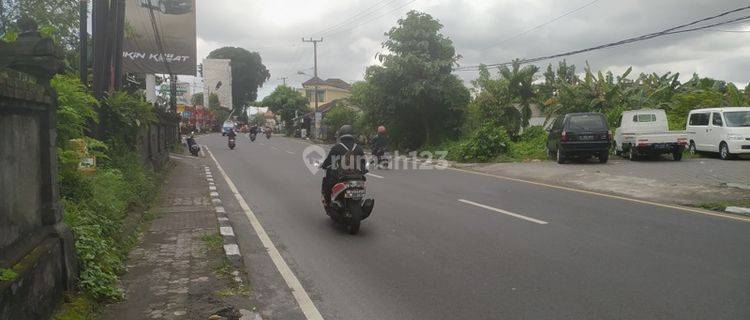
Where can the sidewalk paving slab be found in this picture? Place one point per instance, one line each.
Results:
(173, 273)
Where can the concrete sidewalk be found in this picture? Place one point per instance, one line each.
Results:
(179, 270)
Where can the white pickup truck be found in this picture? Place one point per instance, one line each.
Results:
(645, 133)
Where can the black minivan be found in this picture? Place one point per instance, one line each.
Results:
(579, 135)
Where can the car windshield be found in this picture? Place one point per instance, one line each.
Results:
(587, 122)
(737, 118)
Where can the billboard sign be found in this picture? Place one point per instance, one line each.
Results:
(175, 22)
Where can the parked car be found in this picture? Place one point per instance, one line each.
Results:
(646, 133)
(579, 135)
(722, 130)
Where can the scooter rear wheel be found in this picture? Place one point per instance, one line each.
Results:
(356, 210)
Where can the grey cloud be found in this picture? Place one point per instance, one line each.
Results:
(474, 25)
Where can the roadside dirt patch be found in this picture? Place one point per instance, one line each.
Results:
(688, 182)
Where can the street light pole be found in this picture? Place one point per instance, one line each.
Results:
(315, 72)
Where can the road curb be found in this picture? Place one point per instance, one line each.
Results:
(230, 245)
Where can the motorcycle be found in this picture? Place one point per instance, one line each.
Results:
(379, 159)
(193, 147)
(231, 143)
(349, 205)
(252, 137)
(268, 134)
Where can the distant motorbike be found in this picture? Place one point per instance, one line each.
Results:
(379, 159)
(252, 137)
(231, 143)
(349, 205)
(268, 134)
(193, 146)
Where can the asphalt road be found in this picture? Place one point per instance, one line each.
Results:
(445, 244)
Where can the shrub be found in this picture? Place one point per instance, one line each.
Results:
(484, 144)
(530, 145)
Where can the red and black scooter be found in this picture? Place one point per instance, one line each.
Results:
(349, 205)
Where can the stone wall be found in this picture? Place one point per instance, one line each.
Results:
(34, 242)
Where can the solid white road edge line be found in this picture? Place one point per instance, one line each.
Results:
(303, 299)
(375, 175)
(504, 212)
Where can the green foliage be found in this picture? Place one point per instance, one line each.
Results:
(7, 274)
(530, 145)
(56, 18)
(248, 73)
(339, 116)
(285, 102)
(258, 119)
(75, 108)
(485, 144)
(124, 115)
(197, 99)
(414, 93)
(682, 103)
(96, 204)
(506, 100)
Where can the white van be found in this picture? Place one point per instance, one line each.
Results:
(722, 130)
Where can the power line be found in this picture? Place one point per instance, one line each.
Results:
(373, 18)
(541, 25)
(673, 30)
(353, 18)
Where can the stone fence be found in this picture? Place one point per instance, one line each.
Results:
(37, 254)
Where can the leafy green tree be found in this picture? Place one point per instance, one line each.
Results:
(339, 116)
(248, 73)
(286, 102)
(258, 119)
(197, 99)
(75, 108)
(213, 101)
(506, 101)
(414, 93)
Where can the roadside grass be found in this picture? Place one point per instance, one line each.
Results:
(224, 269)
(7, 274)
(722, 205)
(78, 307)
(213, 242)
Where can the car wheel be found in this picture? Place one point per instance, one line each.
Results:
(603, 157)
(677, 155)
(560, 156)
(724, 151)
(632, 154)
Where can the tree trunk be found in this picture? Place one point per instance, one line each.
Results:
(427, 138)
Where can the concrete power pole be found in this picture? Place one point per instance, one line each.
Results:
(283, 79)
(83, 12)
(315, 72)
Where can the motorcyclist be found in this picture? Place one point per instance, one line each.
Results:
(254, 130)
(231, 134)
(379, 143)
(346, 144)
(190, 140)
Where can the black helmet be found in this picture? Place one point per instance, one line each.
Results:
(345, 130)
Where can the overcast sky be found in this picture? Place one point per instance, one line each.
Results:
(483, 31)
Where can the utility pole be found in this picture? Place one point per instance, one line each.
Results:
(283, 79)
(315, 72)
(83, 11)
(119, 27)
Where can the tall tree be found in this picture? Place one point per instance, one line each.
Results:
(285, 102)
(414, 92)
(197, 99)
(248, 73)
